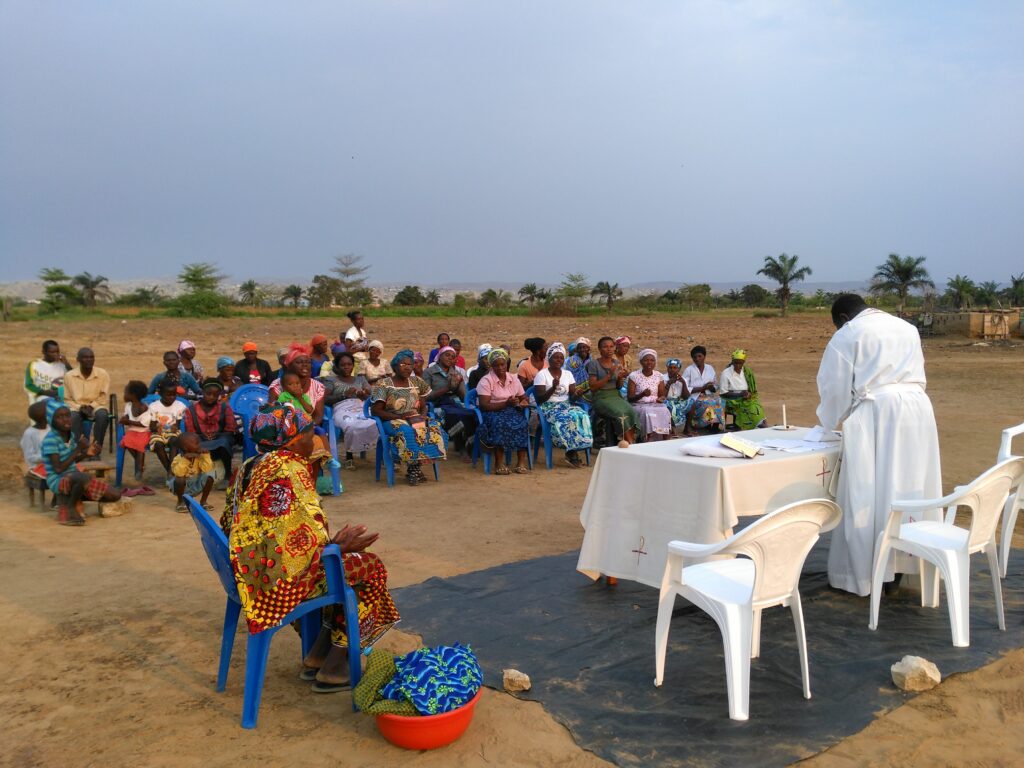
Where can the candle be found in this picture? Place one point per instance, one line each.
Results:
(784, 422)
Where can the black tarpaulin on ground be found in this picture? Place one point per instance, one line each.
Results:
(589, 651)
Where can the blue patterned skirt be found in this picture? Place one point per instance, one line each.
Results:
(570, 425)
(507, 428)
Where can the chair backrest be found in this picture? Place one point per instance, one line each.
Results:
(778, 544)
(216, 545)
(1007, 441)
(471, 398)
(248, 393)
(986, 495)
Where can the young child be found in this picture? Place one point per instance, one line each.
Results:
(163, 420)
(292, 394)
(136, 434)
(32, 439)
(191, 471)
(60, 453)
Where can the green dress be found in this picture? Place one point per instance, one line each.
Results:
(609, 402)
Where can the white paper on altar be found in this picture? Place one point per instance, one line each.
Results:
(642, 497)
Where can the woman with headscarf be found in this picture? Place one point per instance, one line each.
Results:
(226, 376)
(345, 393)
(622, 345)
(677, 394)
(297, 360)
(251, 369)
(739, 390)
(373, 368)
(277, 530)
(187, 362)
(60, 453)
(418, 363)
(502, 402)
(706, 405)
(319, 353)
(536, 362)
(576, 363)
(477, 372)
(570, 425)
(355, 338)
(645, 390)
(606, 377)
(447, 384)
(400, 402)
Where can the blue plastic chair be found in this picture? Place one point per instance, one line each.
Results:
(473, 402)
(544, 434)
(245, 401)
(384, 457)
(119, 472)
(334, 467)
(307, 613)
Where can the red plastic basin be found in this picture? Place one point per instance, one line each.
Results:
(427, 731)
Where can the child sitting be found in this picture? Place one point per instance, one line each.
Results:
(191, 471)
(136, 434)
(163, 419)
(32, 440)
(292, 394)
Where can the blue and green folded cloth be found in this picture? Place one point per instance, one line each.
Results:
(428, 681)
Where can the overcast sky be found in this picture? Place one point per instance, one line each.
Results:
(511, 141)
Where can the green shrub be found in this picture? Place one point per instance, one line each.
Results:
(201, 303)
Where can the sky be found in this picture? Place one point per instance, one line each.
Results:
(471, 141)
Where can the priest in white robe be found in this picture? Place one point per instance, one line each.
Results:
(871, 384)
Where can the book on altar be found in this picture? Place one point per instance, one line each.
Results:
(745, 447)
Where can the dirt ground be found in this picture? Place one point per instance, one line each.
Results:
(112, 629)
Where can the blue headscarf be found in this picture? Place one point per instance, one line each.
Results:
(673, 361)
(222, 361)
(52, 406)
(399, 356)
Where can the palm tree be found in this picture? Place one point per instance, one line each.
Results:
(608, 291)
(293, 293)
(899, 274)
(1016, 290)
(988, 293)
(200, 276)
(960, 291)
(495, 298)
(93, 288)
(529, 294)
(250, 293)
(783, 271)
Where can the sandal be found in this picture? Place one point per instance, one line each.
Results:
(521, 470)
(66, 517)
(319, 687)
(502, 471)
(308, 674)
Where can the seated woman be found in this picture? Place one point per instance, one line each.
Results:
(477, 372)
(297, 361)
(319, 353)
(576, 364)
(60, 451)
(677, 394)
(502, 402)
(273, 518)
(622, 345)
(646, 391)
(345, 393)
(214, 421)
(417, 363)
(226, 376)
(187, 360)
(570, 424)
(536, 362)
(448, 394)
(400, 402)
(373, 368)
(739, 390)
(606, 376)
(443, 340)
(705, 404)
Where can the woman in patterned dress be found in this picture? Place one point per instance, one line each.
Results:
(646, 392)
(400, 402)
(276, 533)
(570, 424)
(502, 403)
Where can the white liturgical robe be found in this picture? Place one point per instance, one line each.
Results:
(871, 382)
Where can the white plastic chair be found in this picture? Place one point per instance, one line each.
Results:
(1015, 501)
(946, 549)
(734, 591)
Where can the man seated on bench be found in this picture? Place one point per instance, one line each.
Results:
(87, 394)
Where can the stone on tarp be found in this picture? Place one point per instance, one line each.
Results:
(514, 680)
(913, 673)
(115, 508)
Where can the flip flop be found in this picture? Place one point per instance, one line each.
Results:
(319, 687)
(145, 490)
(308, 674)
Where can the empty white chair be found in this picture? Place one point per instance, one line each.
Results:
(1013, 503)
(734, 590)
(946, 549)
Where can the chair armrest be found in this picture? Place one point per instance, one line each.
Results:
(1004, 444)
(691, 550)
(330, 557)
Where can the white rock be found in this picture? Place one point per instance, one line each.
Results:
(115, 508)
(912, 673)
(514, 680)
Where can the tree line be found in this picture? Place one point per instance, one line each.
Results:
(903, 279)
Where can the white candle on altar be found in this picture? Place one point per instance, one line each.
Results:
(784, 422)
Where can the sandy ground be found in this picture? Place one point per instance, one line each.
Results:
(112, 629)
